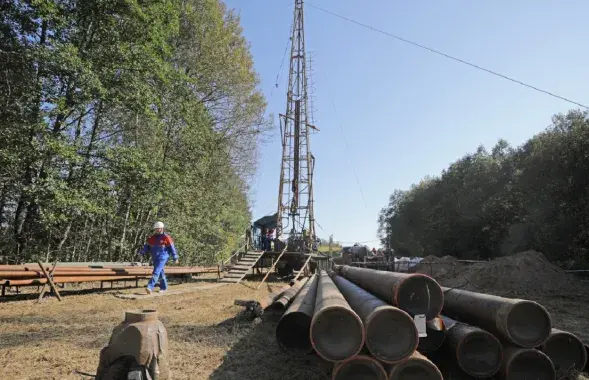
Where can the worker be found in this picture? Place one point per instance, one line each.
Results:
(161, 246)
(248, 238)
(269, 239)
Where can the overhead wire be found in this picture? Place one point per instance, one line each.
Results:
(349, 151)
(277, 82)
(432, 50)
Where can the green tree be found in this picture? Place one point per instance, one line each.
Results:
(489, 204)
(116, 113)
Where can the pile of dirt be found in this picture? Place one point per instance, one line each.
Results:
(521, 274)
(439, 267)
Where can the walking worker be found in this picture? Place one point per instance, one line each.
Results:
(161, 246)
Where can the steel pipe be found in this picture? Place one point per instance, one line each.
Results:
(292, 331)
(436, 335)
(477, 352)
(337, 332)
(390, 332)
(414, 293)
(523, 323)
(526, 363)
(359, 367)
(416, 367)
(565, 350)
(270, 298)
(282, 301)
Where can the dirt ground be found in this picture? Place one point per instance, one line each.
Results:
(53, 339)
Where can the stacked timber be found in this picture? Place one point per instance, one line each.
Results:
(32, 275)
(385, 325)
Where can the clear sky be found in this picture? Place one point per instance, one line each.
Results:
(405, 112)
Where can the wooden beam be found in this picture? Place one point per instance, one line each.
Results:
(44, 288)
(272, 268)
(50, 280)
(303, 268)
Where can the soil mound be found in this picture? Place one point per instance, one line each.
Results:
(522, 274)
(439, 267)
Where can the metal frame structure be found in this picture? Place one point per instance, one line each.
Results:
(295, 196)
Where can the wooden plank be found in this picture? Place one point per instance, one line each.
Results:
(272, 268)
(302, 269)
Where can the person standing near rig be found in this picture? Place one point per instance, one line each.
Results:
(161, 246)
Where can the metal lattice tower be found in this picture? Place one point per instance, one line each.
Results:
(295, 197)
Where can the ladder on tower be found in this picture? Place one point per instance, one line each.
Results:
(239, 270)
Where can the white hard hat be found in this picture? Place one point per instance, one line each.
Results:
(158, 225)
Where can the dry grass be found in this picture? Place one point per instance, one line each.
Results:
(53, 339)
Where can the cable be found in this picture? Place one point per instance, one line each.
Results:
(347, 147)
(281, 66)
(449, 56)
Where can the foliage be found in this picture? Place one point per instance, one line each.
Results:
(496, 203)
(117, 113)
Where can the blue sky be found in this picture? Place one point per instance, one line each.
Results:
(407, 113)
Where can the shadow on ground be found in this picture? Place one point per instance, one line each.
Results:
(257, 356)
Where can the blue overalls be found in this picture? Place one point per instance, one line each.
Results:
(160, 246)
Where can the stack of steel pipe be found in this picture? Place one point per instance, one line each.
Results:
(517, 331)
(27, 275)
(369, 324)
(416, 293)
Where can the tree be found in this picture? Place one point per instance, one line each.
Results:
(117, 113)
(489, 204)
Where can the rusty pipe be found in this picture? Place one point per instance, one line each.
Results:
(477, 352)
(70, 279)
(359, 367)
(523, 323)
(292, 331)
(390, 332)
(415, 367)
(267, 301)
(284, 299)
(337, 332)
(436, 335)
(526, 363)
(565, 350)
(100, 272)
(414, 293)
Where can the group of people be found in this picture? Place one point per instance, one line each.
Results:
(263, 241)
(267, 238)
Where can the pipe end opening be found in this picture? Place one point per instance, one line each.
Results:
(530, 364)
(292, 333)
(420, 294)
(480, 355)
(391, 335)
(359, 368)
(566, 351)
(528, 324)
(337, 334)
(416, 369)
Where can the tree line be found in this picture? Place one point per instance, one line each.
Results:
(499, 202)
(118, 113)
